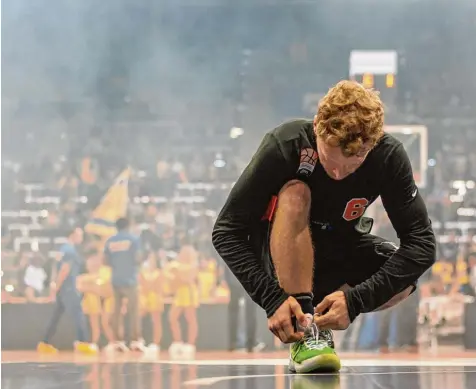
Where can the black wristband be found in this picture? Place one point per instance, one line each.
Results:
(305, 301)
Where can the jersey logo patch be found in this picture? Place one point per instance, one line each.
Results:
(385, 249)
(307, 162)
(355, 208)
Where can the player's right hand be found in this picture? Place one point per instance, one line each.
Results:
(280, 324)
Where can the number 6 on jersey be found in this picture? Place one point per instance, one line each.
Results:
(355, 208)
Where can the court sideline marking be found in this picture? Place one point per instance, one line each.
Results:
(459, 362)
(213, 380)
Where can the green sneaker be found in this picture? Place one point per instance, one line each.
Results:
(314, 352)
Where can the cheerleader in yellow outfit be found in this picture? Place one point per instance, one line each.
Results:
(151, 297)
(182, 274)
(207, 279)
(107, 297)
(91, 304)
(97, 301)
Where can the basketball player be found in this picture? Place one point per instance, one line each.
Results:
(293, 231)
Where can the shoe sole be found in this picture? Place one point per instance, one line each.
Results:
(87, 352)
(328, 363)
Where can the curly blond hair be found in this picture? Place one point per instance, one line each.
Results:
(350, 116)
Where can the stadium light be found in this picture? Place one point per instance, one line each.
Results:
(219, 161)
(236, 132)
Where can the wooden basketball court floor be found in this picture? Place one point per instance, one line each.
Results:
(215, 370)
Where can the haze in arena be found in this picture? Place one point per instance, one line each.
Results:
(238, 194)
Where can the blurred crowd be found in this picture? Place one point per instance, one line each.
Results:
(450, 197)
(446, 291)
(167, 206)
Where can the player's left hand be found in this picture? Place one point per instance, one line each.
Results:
(337, 315)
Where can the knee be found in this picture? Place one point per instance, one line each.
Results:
(295, 199)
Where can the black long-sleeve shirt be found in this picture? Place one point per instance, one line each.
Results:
(386, 172)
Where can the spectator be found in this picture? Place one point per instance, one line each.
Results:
(237, 293)
(449, 250)
(35, 278)
(68, 297)
(122, 252)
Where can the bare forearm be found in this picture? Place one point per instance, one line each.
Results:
(395, 299)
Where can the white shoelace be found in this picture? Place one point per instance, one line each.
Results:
(315, 339)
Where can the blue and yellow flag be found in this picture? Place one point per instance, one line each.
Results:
(112, 207)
